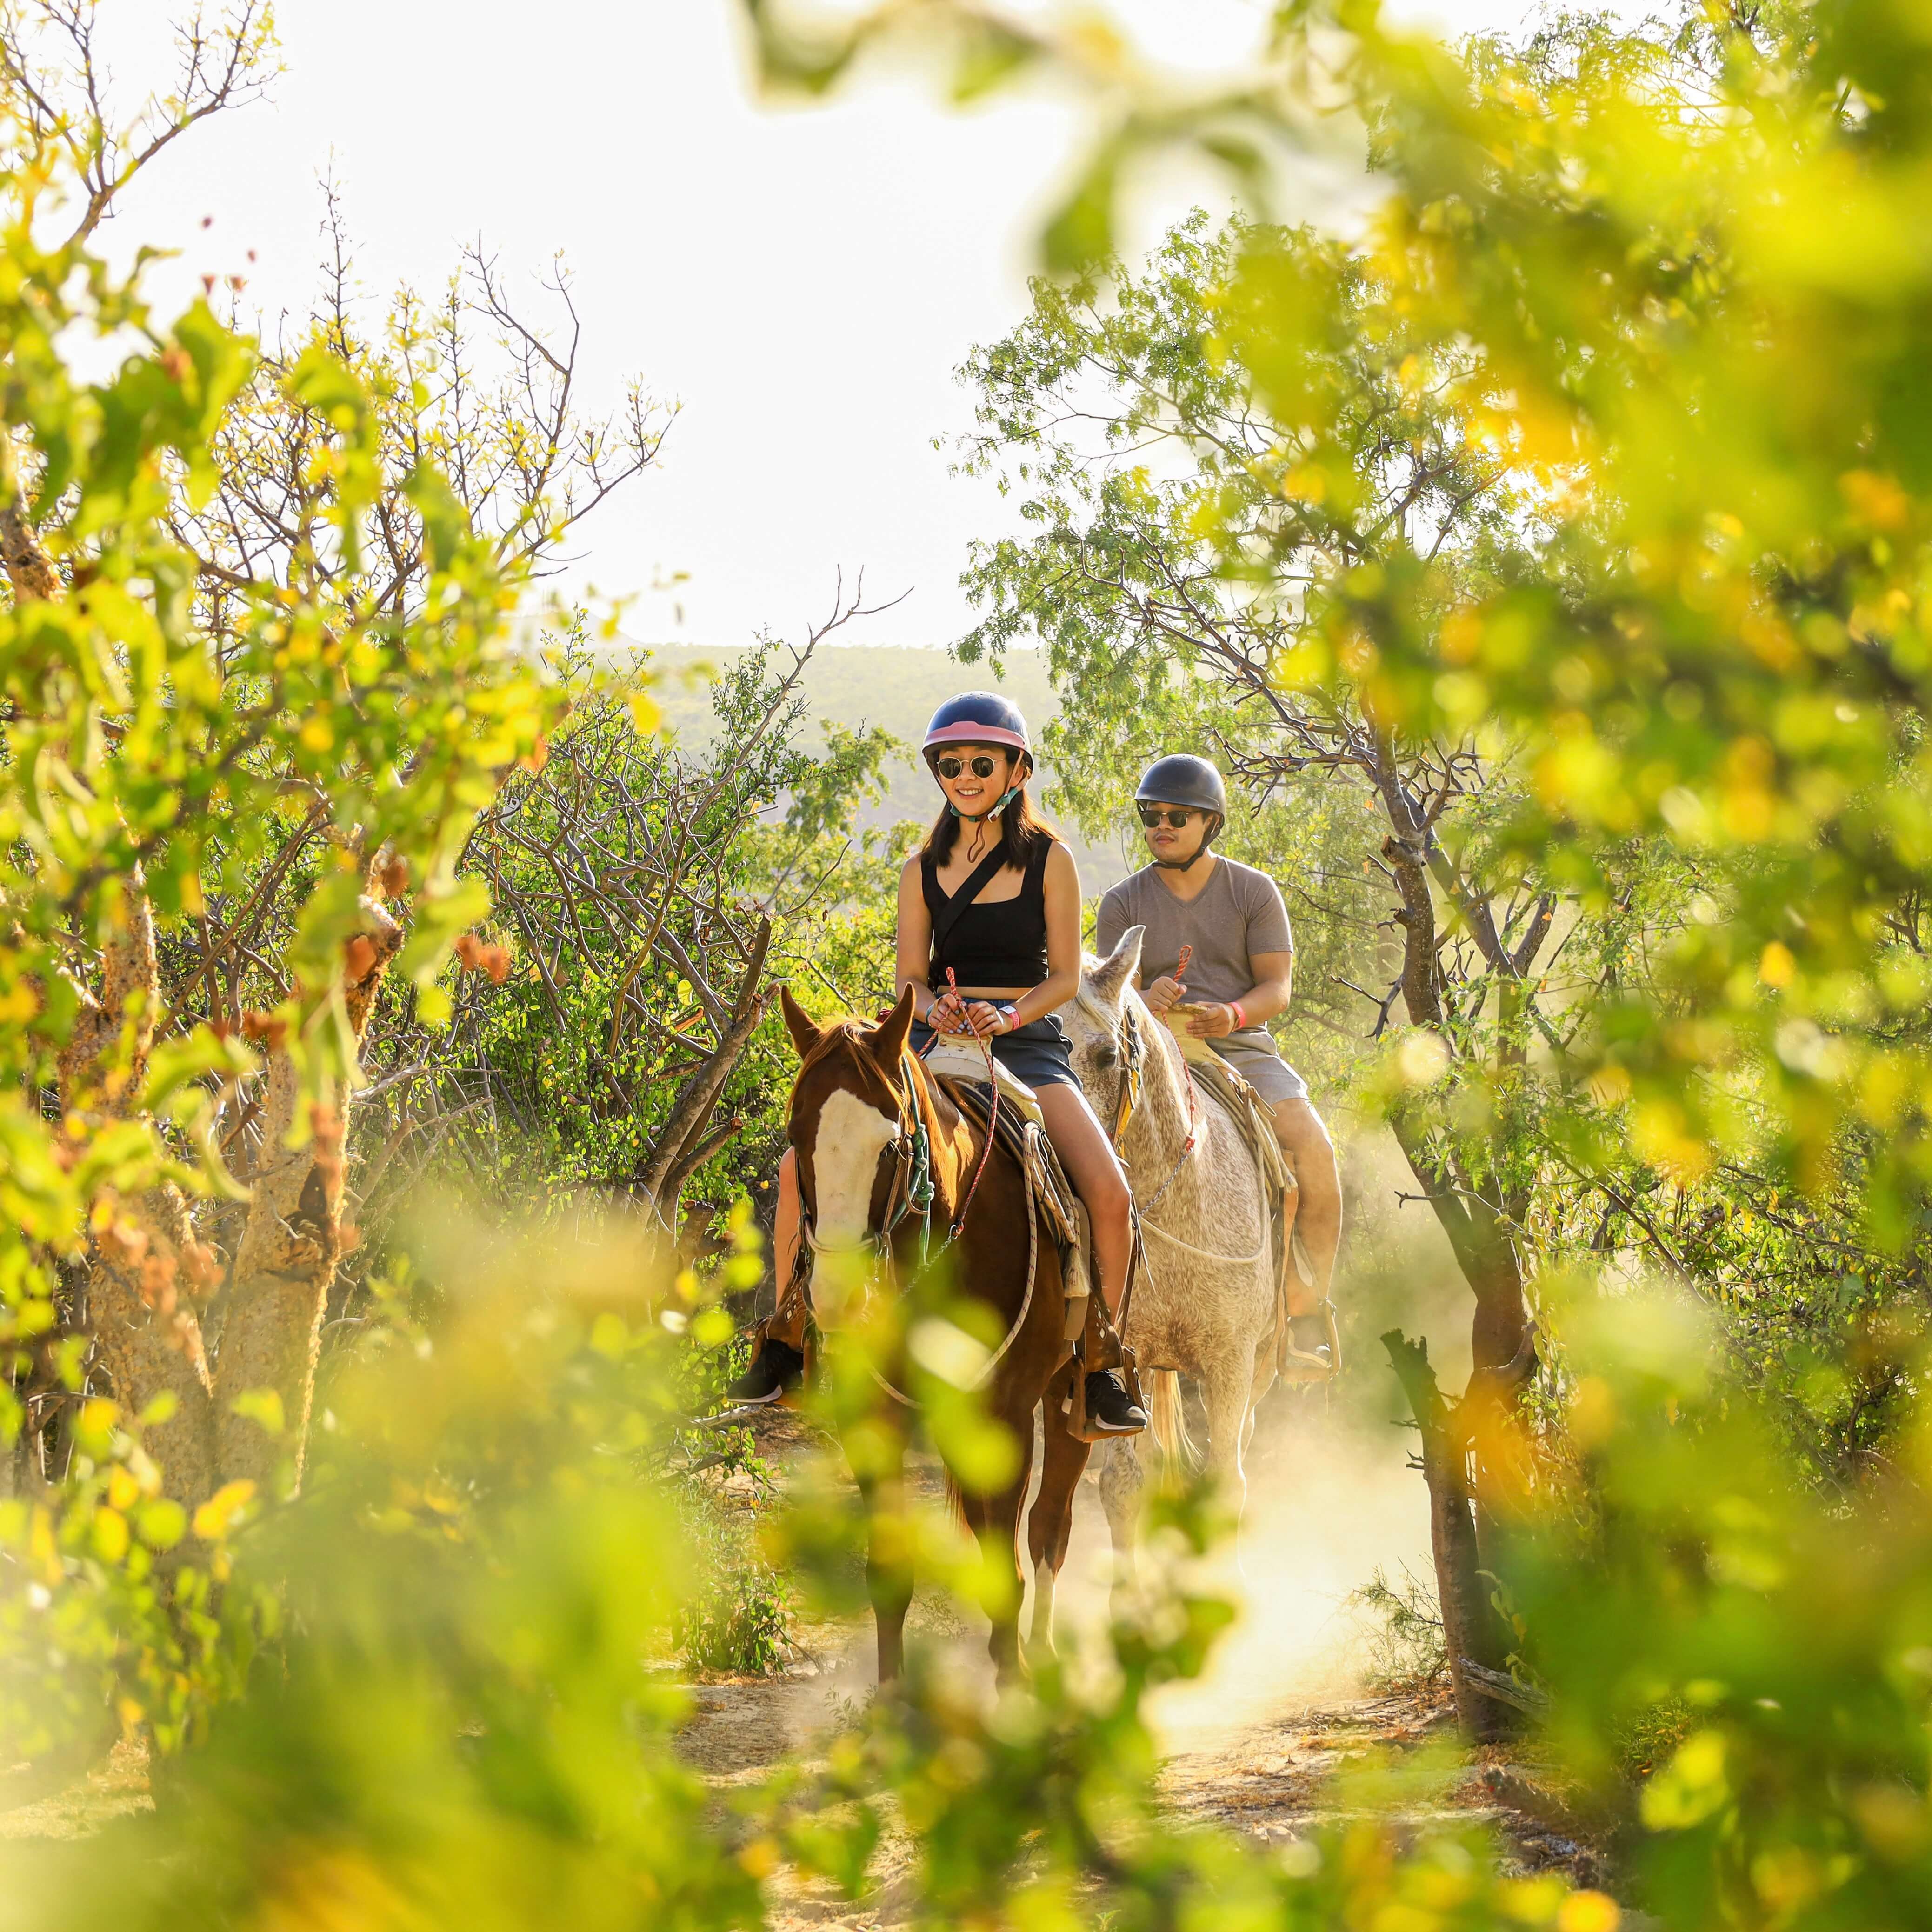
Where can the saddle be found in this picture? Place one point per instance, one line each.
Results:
(962, 1063)
(1088, 1330)
(1254, 1123)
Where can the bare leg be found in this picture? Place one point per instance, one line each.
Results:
(1305, 1141)
(1088, 1157)
(788, 1324)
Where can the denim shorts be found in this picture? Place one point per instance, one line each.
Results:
(1038, 1053)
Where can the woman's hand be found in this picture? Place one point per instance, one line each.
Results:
(1212, 1022)
(947, 1015)
(1162, 994)
(985, 1019)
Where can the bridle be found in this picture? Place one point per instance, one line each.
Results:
(911, 1191)
(1130, 1051)
(1130, 1047)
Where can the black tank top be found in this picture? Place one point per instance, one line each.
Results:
(1003, 944)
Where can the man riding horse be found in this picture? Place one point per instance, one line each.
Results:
(1229, 920)
(989, 946)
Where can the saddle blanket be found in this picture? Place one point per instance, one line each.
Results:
(1020, 1130)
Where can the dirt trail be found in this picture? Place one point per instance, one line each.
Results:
(1278, 1737)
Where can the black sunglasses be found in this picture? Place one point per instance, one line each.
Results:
(1151, 815)
(983, 767)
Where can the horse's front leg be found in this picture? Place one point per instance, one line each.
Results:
(995, 1520)
(1122, 1483)
(1050, 1522)
(1225, 1389)
(889, 1576)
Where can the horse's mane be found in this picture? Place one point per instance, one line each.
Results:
(850, 1030)
(852, 1034)
(1090, 1004)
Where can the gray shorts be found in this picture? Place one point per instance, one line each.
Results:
(1253, 1055)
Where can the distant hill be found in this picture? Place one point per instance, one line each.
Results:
(899, 686)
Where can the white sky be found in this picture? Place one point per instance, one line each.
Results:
(804, 281)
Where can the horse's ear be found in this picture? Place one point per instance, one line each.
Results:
(805, 1036)
(888, 1043)
(1115, 974)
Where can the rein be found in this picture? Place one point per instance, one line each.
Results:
(912, 1191)
(1133, 1051)
(992, 1120)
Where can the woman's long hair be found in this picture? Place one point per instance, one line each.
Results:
(1022, 832)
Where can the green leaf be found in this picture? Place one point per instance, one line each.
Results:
(1080, 232)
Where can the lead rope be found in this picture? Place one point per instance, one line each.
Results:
(992, 1122)
(998, 1355)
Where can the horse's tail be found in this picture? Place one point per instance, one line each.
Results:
(1168, 1418)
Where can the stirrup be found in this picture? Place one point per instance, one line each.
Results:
(1313, 1368)
(1079, 1425)
(1297, 1250)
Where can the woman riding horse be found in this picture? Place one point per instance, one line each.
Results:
(989, 945)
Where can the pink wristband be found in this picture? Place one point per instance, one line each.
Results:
(1241, 1014)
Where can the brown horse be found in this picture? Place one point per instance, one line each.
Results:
(860, 1105)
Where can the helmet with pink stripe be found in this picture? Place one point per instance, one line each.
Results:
(978, 718)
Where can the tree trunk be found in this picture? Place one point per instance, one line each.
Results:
(1470, 1627)
(147, 1340)
(285, 1262)
(1485, 1248)
(686, 1140)
(144, 1264)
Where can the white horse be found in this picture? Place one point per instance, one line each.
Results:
(1207, 1305)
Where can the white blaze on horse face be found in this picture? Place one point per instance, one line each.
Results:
(845, 1152)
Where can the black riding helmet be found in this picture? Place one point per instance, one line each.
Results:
(1181, 778)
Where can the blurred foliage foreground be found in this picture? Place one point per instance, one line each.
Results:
(465, 1710)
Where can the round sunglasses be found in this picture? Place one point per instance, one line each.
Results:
(1151, 815)
(983, 767)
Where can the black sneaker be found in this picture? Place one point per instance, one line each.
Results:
(1308, 1336)
(773, 1370)
(1110, 1408)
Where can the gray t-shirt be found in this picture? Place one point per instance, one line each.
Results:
(1236, 914)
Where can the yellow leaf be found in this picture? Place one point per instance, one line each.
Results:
(218, 1515)
(263, 1405)
(161, 1523)
(1589, 1912)
(93, 1428)
(109, 1535)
